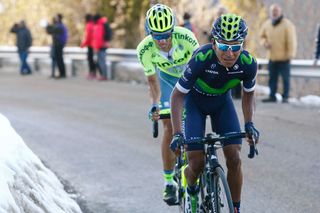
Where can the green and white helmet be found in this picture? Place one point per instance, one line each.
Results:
(229, 27)
(160, 18)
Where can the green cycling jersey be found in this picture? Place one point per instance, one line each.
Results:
(172, 62)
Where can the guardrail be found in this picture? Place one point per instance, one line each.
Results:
(300, 68)
(71, 55)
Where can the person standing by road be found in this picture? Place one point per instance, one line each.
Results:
(317, 52)
(205, 90)
(88, 42)
(23, 42)
(278, 36)
(164, 55)
(187, 23)
(59, 35)
(100, 43)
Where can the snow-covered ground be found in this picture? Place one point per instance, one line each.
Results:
(309, 100)
(27, 186)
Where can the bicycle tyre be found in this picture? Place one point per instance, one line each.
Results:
(181, 182)
(222, 194)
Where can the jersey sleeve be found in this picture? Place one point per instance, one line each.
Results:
(249, 80)
(144, 51)
(191, 74)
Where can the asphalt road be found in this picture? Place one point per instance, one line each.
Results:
(96, 136)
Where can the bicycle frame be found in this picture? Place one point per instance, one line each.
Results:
(181, 163)
(210, 185)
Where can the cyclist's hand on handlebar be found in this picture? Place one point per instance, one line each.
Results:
(252, 133)
(153, 113)
(176, 142)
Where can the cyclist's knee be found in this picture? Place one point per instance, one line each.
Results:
(196, 161)
(167, 125)
(233, 163)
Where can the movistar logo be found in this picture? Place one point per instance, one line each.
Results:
(247, 59)
(202, 57)
(177, 61)
(209, 90)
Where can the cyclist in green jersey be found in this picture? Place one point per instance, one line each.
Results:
(164, 55)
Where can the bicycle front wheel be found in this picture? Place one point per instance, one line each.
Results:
(223, 201)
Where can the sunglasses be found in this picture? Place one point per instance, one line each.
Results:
(226, 47)
(161, 36)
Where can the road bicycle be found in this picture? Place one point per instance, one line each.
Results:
(214, 193)
(215, 196)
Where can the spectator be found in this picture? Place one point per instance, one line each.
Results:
(88, 42)
(278, 36)
(100, 43)
(52, 56)
(220, 10)
(187, 23)
(23, 42)
(317, 53)
(59, 34)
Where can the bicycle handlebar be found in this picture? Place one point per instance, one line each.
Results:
(212, 139)
(155, 129)
(253, 149)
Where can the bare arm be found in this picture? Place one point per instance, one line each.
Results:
(248, 108)
(248, 105)
(154, 89)
(177, 99)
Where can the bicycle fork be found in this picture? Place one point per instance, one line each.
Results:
(211, 165)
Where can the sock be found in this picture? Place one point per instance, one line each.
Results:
(168, 177)
(237, 206)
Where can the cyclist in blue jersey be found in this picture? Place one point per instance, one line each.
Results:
(164, 55)
(204, 90)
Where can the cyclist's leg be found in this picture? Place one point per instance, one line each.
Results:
(167, 84)
(168, 158)
(224, 121)
(194, 127)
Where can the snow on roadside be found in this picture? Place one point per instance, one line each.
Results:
(26, 184)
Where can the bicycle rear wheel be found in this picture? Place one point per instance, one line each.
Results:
(222, 196)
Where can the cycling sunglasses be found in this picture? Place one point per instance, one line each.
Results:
(161, 36)
(226, 47)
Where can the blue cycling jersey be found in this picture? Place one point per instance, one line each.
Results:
(207, 76)
(209, 83)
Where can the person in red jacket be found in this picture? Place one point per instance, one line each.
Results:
(100, 44)
(88, 42)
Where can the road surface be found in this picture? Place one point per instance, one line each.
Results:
(96, 136)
